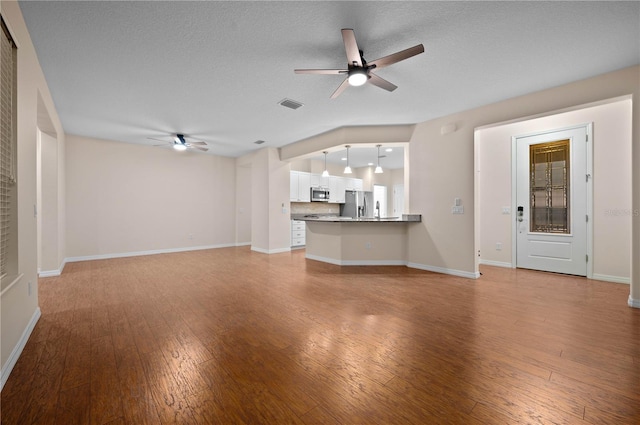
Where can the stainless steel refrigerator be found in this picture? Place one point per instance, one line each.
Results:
(357, 204)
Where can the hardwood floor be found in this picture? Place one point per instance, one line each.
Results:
(230, 336)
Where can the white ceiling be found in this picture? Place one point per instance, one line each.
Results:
(215, 71)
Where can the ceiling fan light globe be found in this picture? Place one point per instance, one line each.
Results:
(357, 78)
(179, 147)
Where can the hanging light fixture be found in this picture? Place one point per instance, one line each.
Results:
(347, 169)
(378, 168)
(325, 173)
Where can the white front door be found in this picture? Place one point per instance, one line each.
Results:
(551, 201)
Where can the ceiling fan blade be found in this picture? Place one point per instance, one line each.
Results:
(158, 140)
(397, 57)
(381, 82)
(340, 88)
(199, 148)
(351, 47)
(320, 71)
(198, 143)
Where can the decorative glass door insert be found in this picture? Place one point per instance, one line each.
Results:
(549, 187)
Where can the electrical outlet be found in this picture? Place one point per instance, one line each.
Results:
(190, 236)
(368, 245)
(506, 210)
(498, 246)
(29, 288)
(457, 210)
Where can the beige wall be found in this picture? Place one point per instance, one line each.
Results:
(19, 306)
(243, 204)
(611, 180)
(270, 216)
(443, 168)
(48, 208)
(124, 198)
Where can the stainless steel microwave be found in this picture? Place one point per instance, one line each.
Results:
(319, 194)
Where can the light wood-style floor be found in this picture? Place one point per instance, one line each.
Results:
(230, 336)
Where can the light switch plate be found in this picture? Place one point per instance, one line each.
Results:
(506, 210)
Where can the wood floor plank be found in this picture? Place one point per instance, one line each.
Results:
(234, 336)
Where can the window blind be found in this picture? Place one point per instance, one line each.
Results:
(7, 145)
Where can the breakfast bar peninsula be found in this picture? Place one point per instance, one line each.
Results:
(349, 241)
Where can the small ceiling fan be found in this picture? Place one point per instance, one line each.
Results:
(179, 143)
(358, 70)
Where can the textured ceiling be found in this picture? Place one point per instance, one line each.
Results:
(216, 71)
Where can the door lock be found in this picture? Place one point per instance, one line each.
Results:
(520, 214)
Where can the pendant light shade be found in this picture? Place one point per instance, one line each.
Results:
(378, 168)
(347, 169)
(325, 173)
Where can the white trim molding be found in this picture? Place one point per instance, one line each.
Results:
(633, 303)
(496, 263)
(356, 262)
(270, 251)
(443, 270)
(141, 253)
(17, 350)
(614, 279)
(53, 273)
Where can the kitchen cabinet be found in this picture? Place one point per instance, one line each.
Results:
(352, 184)
(318, 181)
(298, 233)
(299, 186)
(336, 189)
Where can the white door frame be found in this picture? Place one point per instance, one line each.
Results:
(514, 228)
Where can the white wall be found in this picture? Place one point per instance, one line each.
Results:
(124, 198)
(611, 180)
(19, 305)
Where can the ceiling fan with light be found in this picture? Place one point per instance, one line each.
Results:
(179, 143)
(358, 70)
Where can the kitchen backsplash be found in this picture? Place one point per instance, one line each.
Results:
(314, 208)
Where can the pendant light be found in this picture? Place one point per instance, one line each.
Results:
(378, 168)
(325, 173)
(347, 169)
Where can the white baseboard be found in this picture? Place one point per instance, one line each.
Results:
(270, 251)
(615, 279)
(243, 243)
(453, 272)
(496, 263)
(141, 253)
(633, 303)
(53, 273)
(17, 350)
(356, 262)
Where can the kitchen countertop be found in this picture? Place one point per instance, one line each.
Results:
(406, 218)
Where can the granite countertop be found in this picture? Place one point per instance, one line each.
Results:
(332, 218)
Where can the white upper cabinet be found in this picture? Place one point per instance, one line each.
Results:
(299, 186)
(318, 181)
(301, 183)
(336, 189)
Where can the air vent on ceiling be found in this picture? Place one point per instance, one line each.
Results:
(288, 103)
(259, 142)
